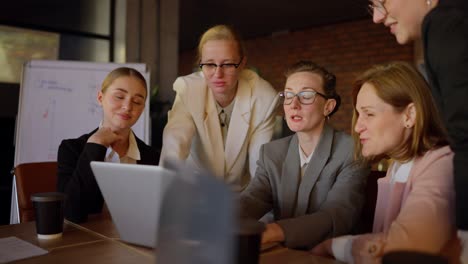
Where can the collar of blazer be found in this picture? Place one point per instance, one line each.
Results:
(239, 126)
(240, 121)
(295, 190)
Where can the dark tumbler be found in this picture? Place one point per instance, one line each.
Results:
(48, 208)
(248, 241)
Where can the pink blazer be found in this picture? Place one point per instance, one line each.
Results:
(417, 215)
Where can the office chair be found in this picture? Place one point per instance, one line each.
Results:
(33, 178)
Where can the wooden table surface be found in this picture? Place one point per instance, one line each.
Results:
(97, 241)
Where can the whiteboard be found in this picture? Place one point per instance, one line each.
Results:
(58, 101)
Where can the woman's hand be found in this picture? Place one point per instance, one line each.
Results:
(323, 249)
(105, 136)
(273, 233)
(368, 248)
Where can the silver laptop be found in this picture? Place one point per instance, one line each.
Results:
(134, 195)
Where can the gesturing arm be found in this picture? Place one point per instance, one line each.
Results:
(180, 128)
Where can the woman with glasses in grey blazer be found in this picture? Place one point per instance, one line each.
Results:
(309, 180)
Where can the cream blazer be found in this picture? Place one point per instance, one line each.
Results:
(193, 132)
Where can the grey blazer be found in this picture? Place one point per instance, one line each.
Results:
(327, 201)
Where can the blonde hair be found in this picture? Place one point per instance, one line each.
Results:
(399, 84)
(221, 32)
(120, 72)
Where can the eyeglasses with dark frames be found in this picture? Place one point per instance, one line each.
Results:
(377, 5)
(305, 97)
(228, 68)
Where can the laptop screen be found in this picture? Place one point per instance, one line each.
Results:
(133, 193)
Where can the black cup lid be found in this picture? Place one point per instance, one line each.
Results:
(47, 197)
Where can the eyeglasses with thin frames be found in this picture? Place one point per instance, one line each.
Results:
(228, 68)
(377, 5)
(305, 97)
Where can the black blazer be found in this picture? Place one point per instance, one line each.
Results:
(445, 39)
(76, 180)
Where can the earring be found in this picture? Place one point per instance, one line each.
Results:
(407, 125)
(428, 2)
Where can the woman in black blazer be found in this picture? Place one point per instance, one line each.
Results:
(122, 98)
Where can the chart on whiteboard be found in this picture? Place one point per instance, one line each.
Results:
(56, 111)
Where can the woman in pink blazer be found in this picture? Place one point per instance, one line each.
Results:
(395, 117)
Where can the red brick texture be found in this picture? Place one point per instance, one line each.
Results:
(346, 49)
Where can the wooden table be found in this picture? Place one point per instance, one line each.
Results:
(97, 241)
(78, 245)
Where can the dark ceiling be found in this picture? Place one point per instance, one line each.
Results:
(256, 18)
(252, 18)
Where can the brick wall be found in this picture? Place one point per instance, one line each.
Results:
(346, 49)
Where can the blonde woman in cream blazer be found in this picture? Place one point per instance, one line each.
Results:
(223, 89)
(193, 132)
(395, 116)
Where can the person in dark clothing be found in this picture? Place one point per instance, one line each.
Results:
(122, 97)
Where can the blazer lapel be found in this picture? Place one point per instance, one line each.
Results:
(214, 138)
(239, 124)
(314, 169)
(290, 179)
